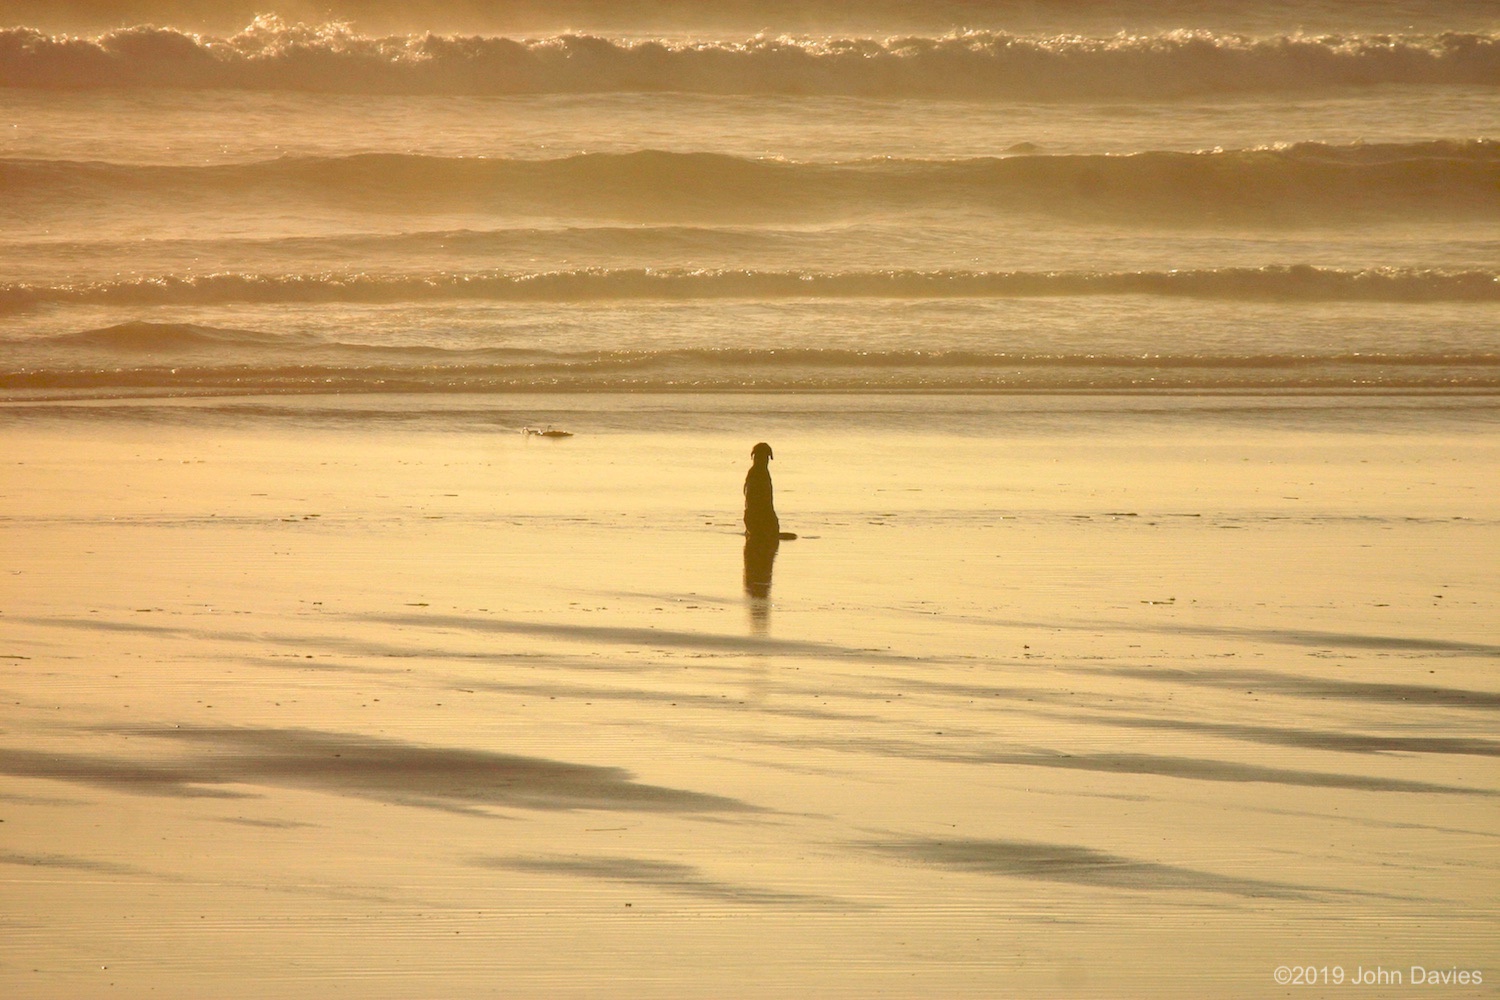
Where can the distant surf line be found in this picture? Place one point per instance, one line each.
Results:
(179, 366)
(275, 55)
(1276, 283)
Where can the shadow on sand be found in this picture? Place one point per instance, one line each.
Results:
(1312, 739)
(387, 770)
(668, 876)
(1151, 765)
(1302, 686)
(1081, 866)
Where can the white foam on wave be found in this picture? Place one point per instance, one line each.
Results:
(272, 54)
(1277, 283)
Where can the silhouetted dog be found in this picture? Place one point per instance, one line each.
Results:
(760, 512)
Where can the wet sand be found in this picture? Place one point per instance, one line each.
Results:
(404, 713)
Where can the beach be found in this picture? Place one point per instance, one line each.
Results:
(1121, 696)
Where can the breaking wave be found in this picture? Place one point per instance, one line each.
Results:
(144, 337)
(1277, 284)
(347, 368)
(1288, 182)
(272, 55)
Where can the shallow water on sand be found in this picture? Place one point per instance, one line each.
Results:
(1137, 714)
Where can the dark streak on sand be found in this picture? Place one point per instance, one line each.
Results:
(1203, 769)
(664, 875)
(387, 770)
(643, 638)
(1190, 768)
(267, 824)
(115, 773)
(1080, 866)
(69, 863)
(1315, 739)
(669, 697)
(1283, 636)
(1311, 687)
(93, 866)
(1309, 637)
(649, 638)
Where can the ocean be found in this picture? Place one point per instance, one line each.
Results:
(966, 198)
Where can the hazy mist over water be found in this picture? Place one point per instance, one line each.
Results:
(972, 197)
